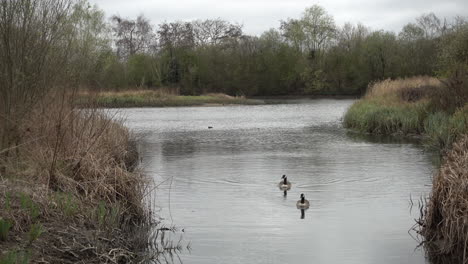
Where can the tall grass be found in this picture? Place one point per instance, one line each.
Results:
(418, 105)
(409, 89)
(443, 222)
(375, 116)
(81, 152)
(67, 162)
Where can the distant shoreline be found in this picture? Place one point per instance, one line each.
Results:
(151, 98)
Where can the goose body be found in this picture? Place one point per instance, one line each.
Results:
(284, 184)
(302, 203)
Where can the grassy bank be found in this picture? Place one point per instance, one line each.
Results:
(69, 192)
(155, 98)
(420, 106)
(437, 111)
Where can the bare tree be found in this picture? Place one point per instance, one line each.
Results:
(132, 36)
(34, 50)
(430, 24)
(215, 31)
(176, 34)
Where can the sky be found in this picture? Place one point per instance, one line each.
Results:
(258, 16)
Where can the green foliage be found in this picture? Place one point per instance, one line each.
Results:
(7, 201)
(101, 213)
(34, 232)
(66, 203)
(443, 129)
(5, 226)
(453, 55)
(108, 215)
(374, 116)
(306, 55)
(437, 126)
(16, 257)
(141, 71)
(27, 204)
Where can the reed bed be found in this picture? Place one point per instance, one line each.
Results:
(444, 223)
(409, 89)
(70, 191)
(414, 106)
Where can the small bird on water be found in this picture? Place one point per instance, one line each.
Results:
(302, 203)
(284, 184)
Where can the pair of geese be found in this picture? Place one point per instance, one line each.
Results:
(285, 185)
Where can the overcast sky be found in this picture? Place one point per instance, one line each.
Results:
(260, 15)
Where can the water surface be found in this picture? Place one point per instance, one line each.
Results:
(220, 184)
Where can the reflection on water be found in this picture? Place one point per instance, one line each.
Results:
(302, 213)
(224, 187)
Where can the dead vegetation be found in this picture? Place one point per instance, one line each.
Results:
(408, 89)
(444, 222)
(69, 191)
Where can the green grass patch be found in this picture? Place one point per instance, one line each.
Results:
(15, 257)
(376, 116)
(34, 232)
(66, 203)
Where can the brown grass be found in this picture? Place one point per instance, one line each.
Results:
(158, 92)
(444, 222)
(80, 151)
(76, 170)
(408, 89)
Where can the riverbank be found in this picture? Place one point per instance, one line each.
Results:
(70, 191)
(437, 111)
(420, 106)
(155, 98)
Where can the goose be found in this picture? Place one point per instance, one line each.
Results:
(284, 184)
(302, 203)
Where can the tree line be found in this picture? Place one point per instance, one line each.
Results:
(310, 54)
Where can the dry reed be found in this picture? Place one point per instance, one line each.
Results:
(444, 222)
(408, 89)
(71, 173)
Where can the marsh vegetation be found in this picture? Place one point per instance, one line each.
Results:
(70, 188)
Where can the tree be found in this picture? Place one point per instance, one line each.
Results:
(91, 40)
(132, 36)
(35, 42)
(430, 24)
(214, 31)
(312, 32)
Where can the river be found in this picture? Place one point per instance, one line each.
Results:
(220, 185)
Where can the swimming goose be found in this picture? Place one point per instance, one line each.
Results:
(302, 203)
(284, 184)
